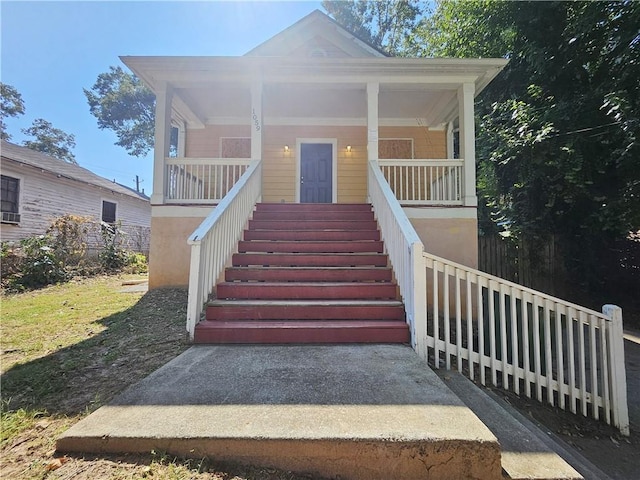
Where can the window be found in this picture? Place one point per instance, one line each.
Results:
(235, 147)
(108, 212)
(10, 199)
(395, 148)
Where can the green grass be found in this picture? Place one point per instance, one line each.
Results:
(70, 348)
(40, 322)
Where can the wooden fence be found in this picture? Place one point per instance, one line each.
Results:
(539, 266)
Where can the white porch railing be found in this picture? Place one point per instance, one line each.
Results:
(425, 182)
(484, 326)
(201, 180)
(215, 240)
(404, 248)
(527, 341)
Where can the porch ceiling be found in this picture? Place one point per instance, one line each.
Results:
(220, 102)
(214, 89)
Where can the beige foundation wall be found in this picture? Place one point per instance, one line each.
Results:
(170, 255)
(455, 239)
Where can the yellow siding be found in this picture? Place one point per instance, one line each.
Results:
(279, 182)
(205, 142)
(426, 143)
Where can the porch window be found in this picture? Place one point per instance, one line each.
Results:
(235, 147)
(108, 212)
(10, 199)
(395, 148)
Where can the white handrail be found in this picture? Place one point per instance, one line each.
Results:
(201, 180)
(526, 341)
(425, 182)
(213, 242)
(404, 248)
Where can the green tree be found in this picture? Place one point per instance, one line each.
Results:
(50, 140)
(11, 105)
(123, 104)
(558, 134)
(387, 25)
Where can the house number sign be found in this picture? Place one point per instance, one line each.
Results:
(256, 120)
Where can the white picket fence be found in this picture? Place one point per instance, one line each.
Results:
(425, 182)
(491, 329)
(526, 341)
(201, 180)
(216, 239)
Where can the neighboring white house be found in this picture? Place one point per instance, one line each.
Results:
(37, 188)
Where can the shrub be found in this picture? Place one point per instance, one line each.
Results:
(136, 263)
(39, 265)
(112, 256)
(69, 234)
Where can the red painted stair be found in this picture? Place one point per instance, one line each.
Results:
(307, 273)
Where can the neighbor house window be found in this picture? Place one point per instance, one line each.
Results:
(10, 199)
(108, 212)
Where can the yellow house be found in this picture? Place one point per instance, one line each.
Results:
(322, 191)
(314, 83)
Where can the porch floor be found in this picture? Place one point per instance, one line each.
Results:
(340, 411)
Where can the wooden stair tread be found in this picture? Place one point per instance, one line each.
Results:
(310, 303)
(320, 323)
(314, 235)
(307, 273)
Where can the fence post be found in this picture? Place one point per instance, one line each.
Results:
(419, 307)
(194, 302)
(618, 374)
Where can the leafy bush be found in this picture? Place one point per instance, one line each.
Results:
(136, 263)
(39, 265)
(62, 253)
(70, 238)
(112, 256)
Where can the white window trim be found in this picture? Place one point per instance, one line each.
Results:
(20, 179)
(334, 164)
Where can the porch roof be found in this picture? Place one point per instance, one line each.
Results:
(217, 89)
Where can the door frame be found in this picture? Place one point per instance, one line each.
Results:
(334, 164)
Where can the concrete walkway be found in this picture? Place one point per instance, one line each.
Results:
(346, 411)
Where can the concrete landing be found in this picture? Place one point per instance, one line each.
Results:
(341, 411)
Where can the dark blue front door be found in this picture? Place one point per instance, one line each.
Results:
(316, 163)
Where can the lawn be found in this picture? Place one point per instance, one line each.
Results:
(67, 350)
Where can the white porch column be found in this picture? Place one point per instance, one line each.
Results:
(164, 96)
(468, 142)
(256, 120)
(450, 152)
(373, 88)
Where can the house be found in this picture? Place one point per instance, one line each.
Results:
(315, 83)
(37, 188)
(325, 192)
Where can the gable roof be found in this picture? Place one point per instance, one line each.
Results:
(322, 35)
(60, 168)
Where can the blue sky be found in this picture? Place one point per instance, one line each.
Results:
(52, 50)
